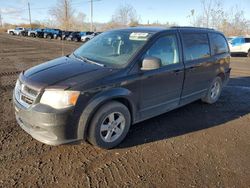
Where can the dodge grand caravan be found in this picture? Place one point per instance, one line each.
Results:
(119, 78)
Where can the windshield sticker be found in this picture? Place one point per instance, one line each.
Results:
(138, 36)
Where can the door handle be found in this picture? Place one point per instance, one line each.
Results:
(176, 72)
(191, 68)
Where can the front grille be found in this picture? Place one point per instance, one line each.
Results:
(30, 91)
(24, 94)
(26, 100)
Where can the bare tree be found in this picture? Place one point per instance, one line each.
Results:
(195, 20)
(214, 15)
(63, 13)
(238, 22)
(125, 15)
(79, 22)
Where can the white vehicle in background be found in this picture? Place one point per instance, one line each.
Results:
(89, 36)
(240, 46)
(16, 31)
(230, 38)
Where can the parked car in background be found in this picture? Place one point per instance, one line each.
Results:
(88, 36)
(119, 78)
(75, 36)
(58, 35)
(33, 32)
(25, 32)
(240, 46)
(65, 34)
(49, 33)
(15, 31)
(40, 33)
(230, 38)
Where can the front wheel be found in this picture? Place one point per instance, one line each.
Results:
(110, 125)
(214, 91)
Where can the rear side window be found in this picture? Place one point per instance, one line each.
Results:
(196, 46)
(218, 44)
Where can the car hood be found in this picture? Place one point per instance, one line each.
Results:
(63, 72)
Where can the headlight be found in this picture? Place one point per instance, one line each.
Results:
(59, 99)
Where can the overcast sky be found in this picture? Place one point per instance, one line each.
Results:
(16, 11)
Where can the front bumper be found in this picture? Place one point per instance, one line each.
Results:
(46, 124)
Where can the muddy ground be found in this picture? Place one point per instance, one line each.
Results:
(198, 145)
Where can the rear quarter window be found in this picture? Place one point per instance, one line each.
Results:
(247, 40)
(196, 46)
(218, 44)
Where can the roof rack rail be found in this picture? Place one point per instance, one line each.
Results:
(190, 27)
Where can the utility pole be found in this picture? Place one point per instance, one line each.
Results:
(29, 13)
(66, 14)
(91, 15)
(1, 21)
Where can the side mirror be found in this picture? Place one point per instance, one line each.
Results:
(151, 63)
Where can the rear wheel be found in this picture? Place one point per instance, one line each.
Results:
(12, 33)
(110, 125)
(248, 54)
(214, 91)
(75, 39)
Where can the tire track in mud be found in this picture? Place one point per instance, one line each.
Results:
(8, 80)
(117, 168)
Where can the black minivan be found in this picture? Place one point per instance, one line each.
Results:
(119, 78)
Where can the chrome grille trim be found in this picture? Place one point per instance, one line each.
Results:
(25, 95)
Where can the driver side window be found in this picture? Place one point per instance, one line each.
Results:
(166, 49)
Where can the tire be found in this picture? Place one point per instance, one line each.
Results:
(87, 39)
(12, 33)
(112, 133)
(248, 54)
(48, 37)
(214, 91)
(75, 39)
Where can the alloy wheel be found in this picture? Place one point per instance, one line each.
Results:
(112, 127)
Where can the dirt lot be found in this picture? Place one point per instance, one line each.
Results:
(197, 145)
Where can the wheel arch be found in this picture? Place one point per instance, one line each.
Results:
(121, 95)
(222, 76)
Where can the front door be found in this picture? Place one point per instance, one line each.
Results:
(161, 88)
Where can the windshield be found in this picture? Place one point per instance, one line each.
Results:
(113, 48)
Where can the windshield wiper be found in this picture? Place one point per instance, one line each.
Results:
(87, 60)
